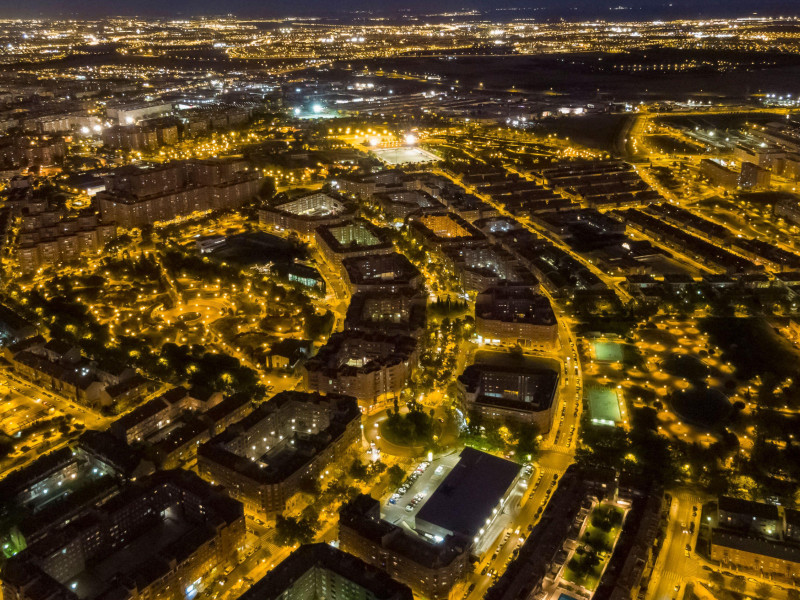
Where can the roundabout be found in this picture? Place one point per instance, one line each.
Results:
(444, 434)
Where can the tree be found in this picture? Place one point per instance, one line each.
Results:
(764, 590)
(147, 234)
(267, 189)
(376, 468)
(716, 579)
(412, 428)
(310, 486)
(396, 475)
(358, 470)
(310, 517)
(526, 442)
(738, 583)
(316, 326)
(290, 531)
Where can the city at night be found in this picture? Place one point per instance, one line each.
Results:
(465, 300)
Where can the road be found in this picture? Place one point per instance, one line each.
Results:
(527, 224)
(543, 482)
(558, 445)
(24, 405)
(675, 566)
(82, 414)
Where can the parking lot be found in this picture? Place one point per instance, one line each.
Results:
(422, 486)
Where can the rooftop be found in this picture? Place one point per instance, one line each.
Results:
(514, 304)
(376, 583)
(523, 387)
(466, 497)
(756, 545)
(445, 226)
(362, 514)
(748, 507)
(352, 235)
(380, 270)
(273, 456)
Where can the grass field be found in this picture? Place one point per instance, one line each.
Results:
(594, 131)
(702, 406)
(608, 352)
(604, 406)
(671, 145)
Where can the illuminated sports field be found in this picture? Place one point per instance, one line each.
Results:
(608, 352)
(604, 406)
(405, 155)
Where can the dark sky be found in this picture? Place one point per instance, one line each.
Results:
(569, 9)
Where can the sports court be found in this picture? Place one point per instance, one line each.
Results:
(604, 406)
(608, 352)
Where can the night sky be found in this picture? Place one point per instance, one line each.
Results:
(546, 9)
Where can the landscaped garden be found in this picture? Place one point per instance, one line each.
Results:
(595, 546)
(414, 428)
(702, 406)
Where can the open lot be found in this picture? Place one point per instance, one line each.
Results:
(405, 155)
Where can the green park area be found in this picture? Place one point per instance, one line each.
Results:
(685, 366)
(604, 406)
(595, 546)
(414, 428)
(752, 347)
(605, 351)
(702, 406)
(599, 131)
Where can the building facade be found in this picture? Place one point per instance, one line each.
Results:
(263, 459)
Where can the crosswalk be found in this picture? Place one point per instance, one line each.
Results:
(561, 449)
(669, 579)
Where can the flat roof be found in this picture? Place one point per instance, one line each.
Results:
(748, 507)
(376, 583)
(470, 491)
(535, 386)
(755, 545)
